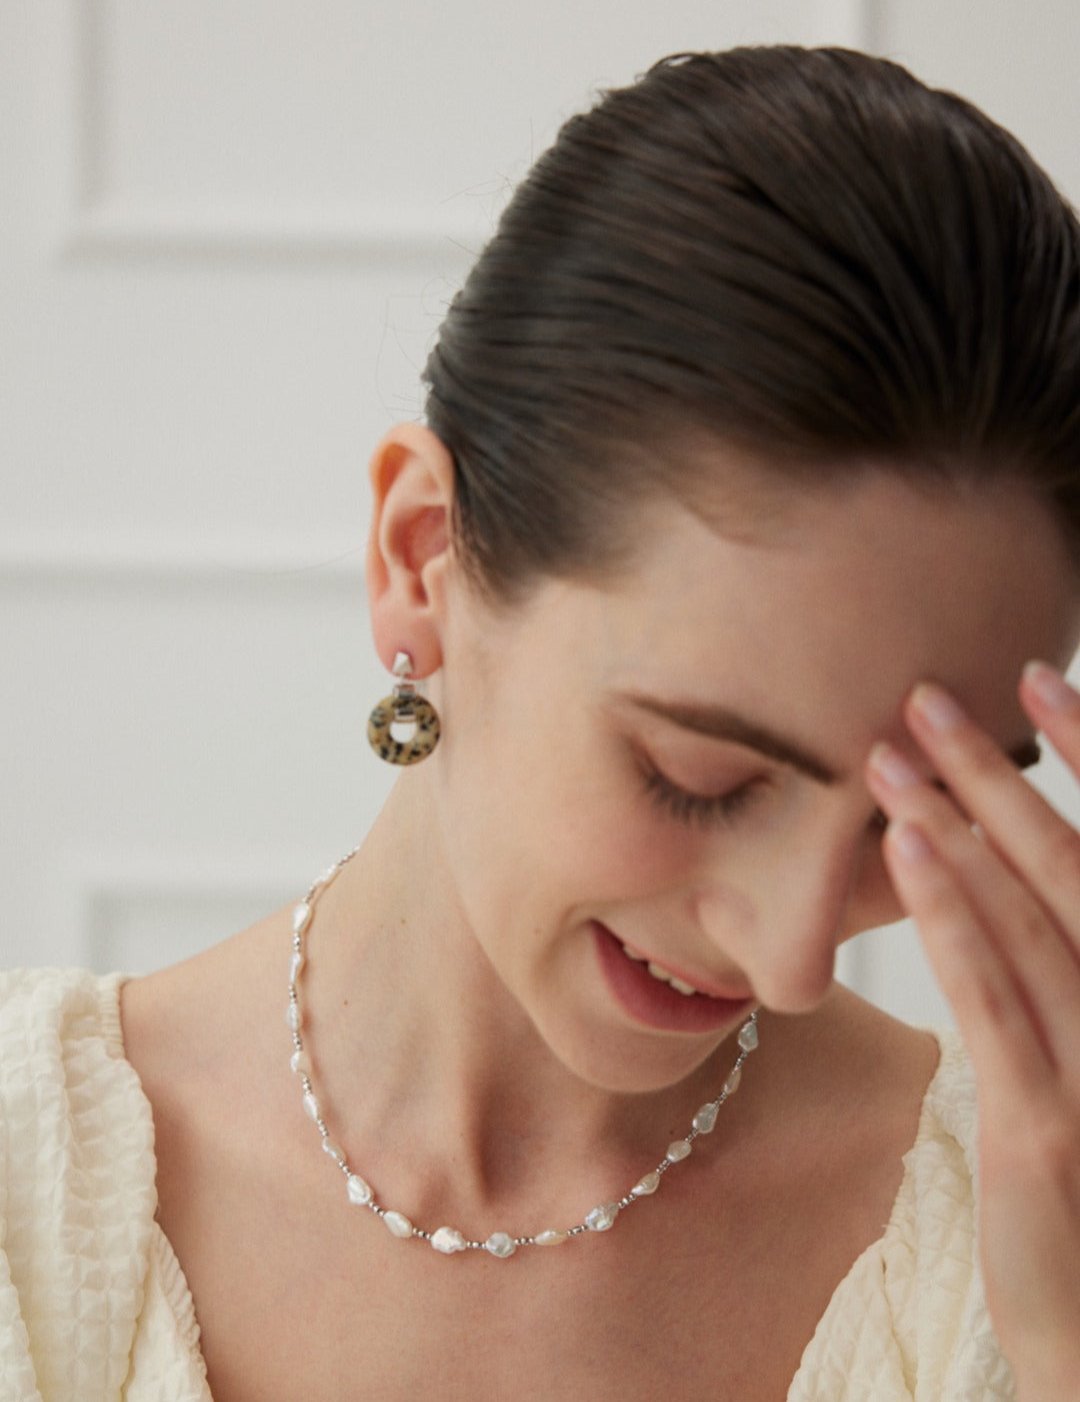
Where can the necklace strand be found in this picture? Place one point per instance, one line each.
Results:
(449, 1240)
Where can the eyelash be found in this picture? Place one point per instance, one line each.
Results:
(692, 808)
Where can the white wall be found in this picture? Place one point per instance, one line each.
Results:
(229, 231)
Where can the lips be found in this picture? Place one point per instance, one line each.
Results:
(655, 1004)
(702, 984)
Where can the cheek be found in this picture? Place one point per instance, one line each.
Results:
(632, 861)
(610, 848)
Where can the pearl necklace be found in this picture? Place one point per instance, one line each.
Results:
(448, 1239)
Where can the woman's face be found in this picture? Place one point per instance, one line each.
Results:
(679, 755)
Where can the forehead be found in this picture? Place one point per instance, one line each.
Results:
(824, 608)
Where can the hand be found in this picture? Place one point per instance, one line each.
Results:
(998, 913)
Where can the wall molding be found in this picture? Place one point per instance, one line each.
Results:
(140, 561)
(101, 886)
(100, 223)
(380, 234)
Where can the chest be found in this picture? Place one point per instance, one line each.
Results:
(711, 1290)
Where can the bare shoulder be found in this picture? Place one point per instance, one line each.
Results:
(203, 1022)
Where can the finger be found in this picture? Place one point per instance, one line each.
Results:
(1054, 706)
(993, 1020)
(1044, 970)
(1022, 827)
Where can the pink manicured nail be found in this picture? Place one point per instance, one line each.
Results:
(936, 707)
(1050, 686)
(892, 766)
(910, 842)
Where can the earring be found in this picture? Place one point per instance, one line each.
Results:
(404, 703)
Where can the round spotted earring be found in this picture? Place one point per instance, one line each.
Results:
(403, 704)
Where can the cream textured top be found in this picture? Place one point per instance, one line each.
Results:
(94, 1305)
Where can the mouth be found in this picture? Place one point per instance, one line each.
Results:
(658, 996)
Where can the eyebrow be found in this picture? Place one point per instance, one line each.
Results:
(722, 723)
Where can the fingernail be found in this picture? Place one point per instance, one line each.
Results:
(909, 842)
(892, 766)
(936, 707)
(1050, 686)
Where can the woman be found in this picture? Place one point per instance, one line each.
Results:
(748, 489)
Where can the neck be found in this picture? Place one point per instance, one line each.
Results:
(440, 1087)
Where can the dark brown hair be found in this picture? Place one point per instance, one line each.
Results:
(805, 253)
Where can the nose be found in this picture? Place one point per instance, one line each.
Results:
(782, 928)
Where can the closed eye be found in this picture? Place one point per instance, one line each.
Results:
(701, 809)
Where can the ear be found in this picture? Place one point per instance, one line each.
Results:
(408, 553)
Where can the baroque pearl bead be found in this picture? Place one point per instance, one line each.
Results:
(644, 1186)
(359, 1191)
(678, 1149)
(296, 963)
(500, 1244)
(300, 917)
(705, 1119)
(748, 1036)
(293, 1016)
(551, 1237)
(731, 1085)
(448, 1240)
(602, 1217)
(300, 1062)
(334, 1150)
(311, 1105)
(398, 1224)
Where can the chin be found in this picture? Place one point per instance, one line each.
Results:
(622, 1061)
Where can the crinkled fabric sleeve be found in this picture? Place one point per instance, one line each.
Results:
(77, 1194)
(909, 1322)
(166, 1363)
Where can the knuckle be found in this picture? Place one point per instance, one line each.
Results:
(981, 753)
(1061, 856)
(1044, 1152)
(1029, 927)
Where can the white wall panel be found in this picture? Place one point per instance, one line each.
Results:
(127, 913)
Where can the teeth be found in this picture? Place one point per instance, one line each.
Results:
(679, 985)
(676, 983)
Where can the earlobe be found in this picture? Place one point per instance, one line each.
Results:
(412, 481)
